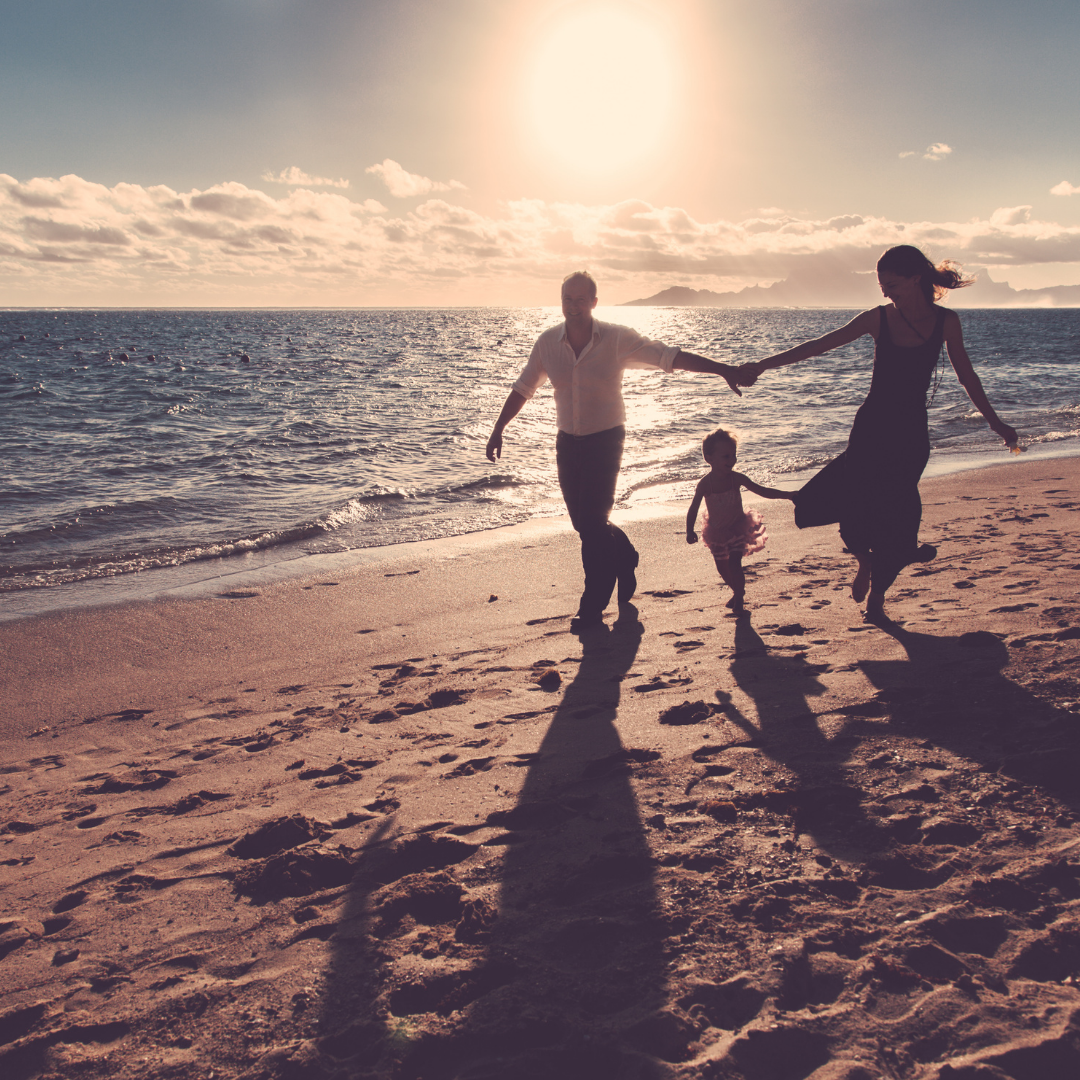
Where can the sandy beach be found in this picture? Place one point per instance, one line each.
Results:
(395, 821)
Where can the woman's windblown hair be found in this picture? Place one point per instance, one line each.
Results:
(908, 261)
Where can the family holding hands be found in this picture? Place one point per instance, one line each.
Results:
(871, 489)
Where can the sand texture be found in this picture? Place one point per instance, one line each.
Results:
(399, 822)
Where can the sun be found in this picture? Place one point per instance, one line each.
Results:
(600, 87)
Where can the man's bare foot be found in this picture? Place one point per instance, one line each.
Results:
(737, 605)
(875, 610)
(860, 586)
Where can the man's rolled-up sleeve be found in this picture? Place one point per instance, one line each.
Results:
(532, 376)
(635, 351)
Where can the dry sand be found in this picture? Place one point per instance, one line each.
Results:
(399, 822)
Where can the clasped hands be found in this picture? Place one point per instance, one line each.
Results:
(746, 374)
(743, 375)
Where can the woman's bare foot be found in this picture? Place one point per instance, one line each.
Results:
(860, 586)
(737, 605)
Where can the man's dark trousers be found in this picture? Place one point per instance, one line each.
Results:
(588, 471)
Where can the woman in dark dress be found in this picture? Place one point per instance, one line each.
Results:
(872, 488)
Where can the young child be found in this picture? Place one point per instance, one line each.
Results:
(730, 532)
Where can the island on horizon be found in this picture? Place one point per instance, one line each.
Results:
(853, 290)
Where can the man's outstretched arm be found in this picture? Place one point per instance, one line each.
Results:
(511, 407)
(688, 361)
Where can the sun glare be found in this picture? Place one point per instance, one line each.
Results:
(600, 87)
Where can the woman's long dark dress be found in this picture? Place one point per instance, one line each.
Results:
(872, 488)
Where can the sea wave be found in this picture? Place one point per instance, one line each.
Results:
(139, 440)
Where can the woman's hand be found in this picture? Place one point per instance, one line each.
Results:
(691, 536)
(1008, 434)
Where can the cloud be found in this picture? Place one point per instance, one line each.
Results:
(70, 241)
(1010, 215)
(404, 185)
(296, 178)
(1065, 188)
(934, 152)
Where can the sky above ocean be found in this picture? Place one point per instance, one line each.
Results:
(470, 152)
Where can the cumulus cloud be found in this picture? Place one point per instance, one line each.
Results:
(1010, 215)
(1065, 188)
(934, 152)
(297, 178)
(68, 240)
(403, 185)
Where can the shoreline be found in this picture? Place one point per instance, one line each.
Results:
(397, 821)
(160, 583)
(419, 591)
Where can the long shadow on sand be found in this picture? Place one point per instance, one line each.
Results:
(559, 977)
(577, 931)
(947, 692)
(952, 692)
(782, 687)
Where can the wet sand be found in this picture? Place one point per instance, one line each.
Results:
(399, 822)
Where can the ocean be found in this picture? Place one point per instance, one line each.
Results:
(145, 448)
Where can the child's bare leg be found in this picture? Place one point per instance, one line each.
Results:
(731, 570)
(861, 583)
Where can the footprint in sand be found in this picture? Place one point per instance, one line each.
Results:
(688, 645)
(123, 836)
(689, 712)
(136, 780)
(69, 901)
(665, 681)
(470, 768)
(91, 823)
(620, 763)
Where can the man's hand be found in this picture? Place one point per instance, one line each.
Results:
(733, 383)
(511, 407)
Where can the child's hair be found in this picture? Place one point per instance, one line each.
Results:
(719, 435)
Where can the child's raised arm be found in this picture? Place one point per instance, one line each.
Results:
(764, 492)
(692, 513)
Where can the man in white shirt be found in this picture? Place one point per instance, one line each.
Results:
(584, 359)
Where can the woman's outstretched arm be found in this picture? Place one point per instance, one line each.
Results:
(961, 362)
(864, 323)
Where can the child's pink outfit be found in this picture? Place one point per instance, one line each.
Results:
(729, 529)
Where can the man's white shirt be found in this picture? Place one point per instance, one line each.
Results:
(588, 388)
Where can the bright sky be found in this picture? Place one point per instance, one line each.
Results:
(384, 152)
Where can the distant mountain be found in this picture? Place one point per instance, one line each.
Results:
(850, 290)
